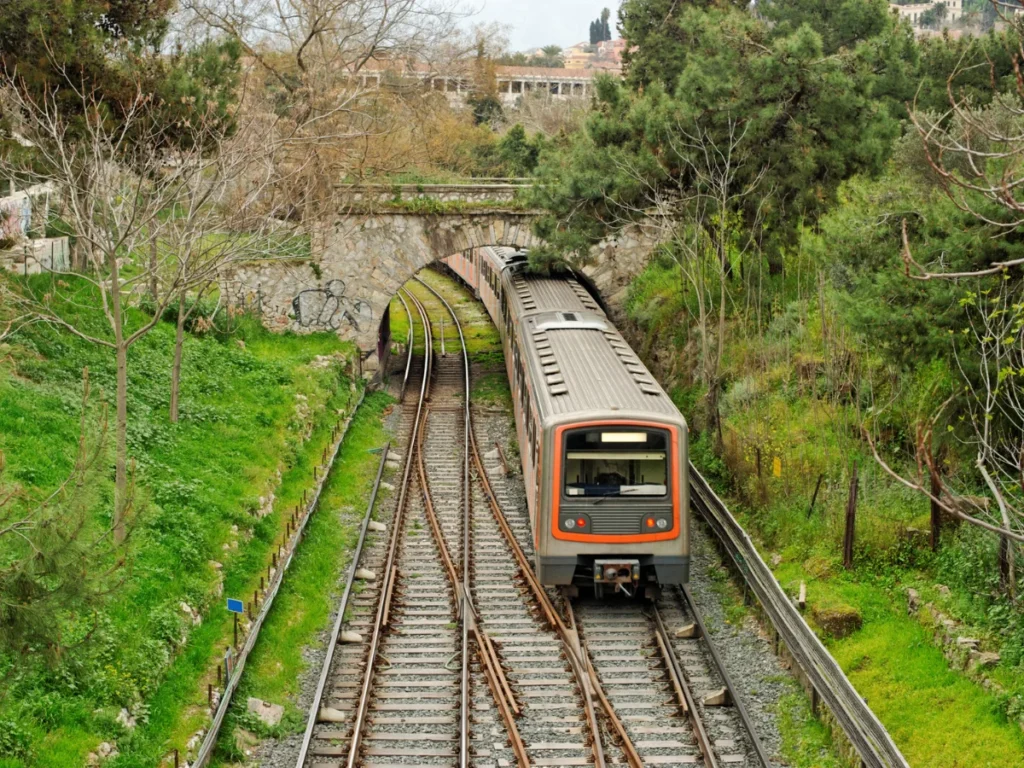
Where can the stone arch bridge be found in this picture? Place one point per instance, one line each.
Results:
(369, 256)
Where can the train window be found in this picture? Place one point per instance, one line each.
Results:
(616, 461)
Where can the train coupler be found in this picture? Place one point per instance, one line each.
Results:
(620, 574)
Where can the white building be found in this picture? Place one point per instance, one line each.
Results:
(914, 12)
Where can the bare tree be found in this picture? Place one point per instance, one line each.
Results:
(697, 219)
(226, 213)
(334, 72)
(990, 358)
(122, 187)
(977, 157)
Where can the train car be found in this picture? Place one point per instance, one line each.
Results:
(604, 449)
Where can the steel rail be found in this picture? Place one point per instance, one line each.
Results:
(314, 711)
(489, 661)
(626, 743)
(684, 596)
(862, 727)
(569, 640)
(390, 570)
(410, 340)
(681, 686)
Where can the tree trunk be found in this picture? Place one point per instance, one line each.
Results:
(936, 510)
(179, 340)
(121, 471)
(121, 421)
(154, 291)
(851, 522)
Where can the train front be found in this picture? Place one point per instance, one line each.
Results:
(617, 501)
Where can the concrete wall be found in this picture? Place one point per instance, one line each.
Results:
(31, 257)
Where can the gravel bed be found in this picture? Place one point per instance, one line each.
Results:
(760, 677)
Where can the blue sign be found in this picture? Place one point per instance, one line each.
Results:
(236, 606)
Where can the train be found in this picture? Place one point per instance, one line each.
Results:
(603, 447)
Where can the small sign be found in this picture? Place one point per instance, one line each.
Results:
(236, 606)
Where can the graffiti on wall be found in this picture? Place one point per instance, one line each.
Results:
(329, 307)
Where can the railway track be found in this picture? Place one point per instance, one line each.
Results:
(452, 653)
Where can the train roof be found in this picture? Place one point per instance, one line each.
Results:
(578, 361)
(534, 293)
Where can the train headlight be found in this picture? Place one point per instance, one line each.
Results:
(611, 573)
(662, 523)
(570, 524)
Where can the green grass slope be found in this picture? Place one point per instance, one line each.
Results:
(253, 405)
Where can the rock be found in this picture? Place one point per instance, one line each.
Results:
(124, 717)
(350, 637)
(193, 614)
(942, 589)
(234, 530)
(331, 715)
(214, 564)
(240, 343)
(392, 456)
(197, 738)
(967, 641)
(837, 620)
(105, 751)
(776, 560)
(391, 464)
(387, 486)
(913, 601)
(687, 631)
(269, 714)
(982, 659)
(364, 574)
(374, 525)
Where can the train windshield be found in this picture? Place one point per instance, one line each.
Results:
(616, 462)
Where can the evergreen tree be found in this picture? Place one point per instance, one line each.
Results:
(593, 33)
(808, 123)
(606, 33)
(113, 51)
(517, 152)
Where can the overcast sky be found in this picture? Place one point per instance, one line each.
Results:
(535, 23)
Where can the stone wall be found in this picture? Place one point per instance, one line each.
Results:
(368, 258)
(500, 192)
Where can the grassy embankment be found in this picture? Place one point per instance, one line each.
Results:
(303, 608)
(783, 429)
(248, 400)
